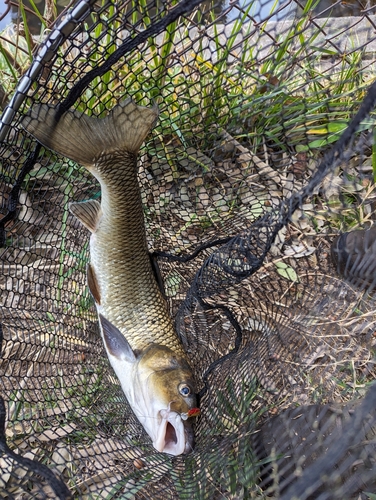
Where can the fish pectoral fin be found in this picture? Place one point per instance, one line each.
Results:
(117, 345)
(92, 284)
(87, 212)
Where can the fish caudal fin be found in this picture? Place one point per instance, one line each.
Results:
(88, 213)
(83, 138)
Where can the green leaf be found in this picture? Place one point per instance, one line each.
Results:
(286, 272)
(324, 50)
(50, 316)
(335, 129)
(329, 128)
(172, 284)
(320, 143)
(301, 148)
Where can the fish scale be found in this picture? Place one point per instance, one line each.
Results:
(145, 318)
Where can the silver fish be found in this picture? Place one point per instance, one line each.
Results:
(136, 327)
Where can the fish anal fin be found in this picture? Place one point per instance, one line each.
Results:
(92, 284)
(87, 212)
(117, 345)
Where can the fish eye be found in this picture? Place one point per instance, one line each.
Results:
(185, 390)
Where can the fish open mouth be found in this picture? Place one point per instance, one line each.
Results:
(171, 435)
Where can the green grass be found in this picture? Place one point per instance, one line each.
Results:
(196, 94)
(286, 100)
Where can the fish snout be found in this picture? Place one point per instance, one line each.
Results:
(174, 435)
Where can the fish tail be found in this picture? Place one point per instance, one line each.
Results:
(83, 138)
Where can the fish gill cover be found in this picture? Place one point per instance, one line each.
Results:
(257, 186)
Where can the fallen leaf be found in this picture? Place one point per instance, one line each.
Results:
(20, 472)
(6, 467)
(286, 271)
(278, 242)
(57, 432)
(61, 457)
(103, 482)
(298, 251)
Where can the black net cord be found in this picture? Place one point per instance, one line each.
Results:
(14, 194)
(280, 218)
(184, 7)
(59, 488)
(312, 476)
(186, 258)
(237, 343)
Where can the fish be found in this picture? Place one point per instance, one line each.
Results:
(136, 327)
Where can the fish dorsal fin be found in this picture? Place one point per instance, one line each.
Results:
(87, 212)
(84, 138)
(117, 345)
(92, 284)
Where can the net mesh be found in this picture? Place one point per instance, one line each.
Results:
(258, 193)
